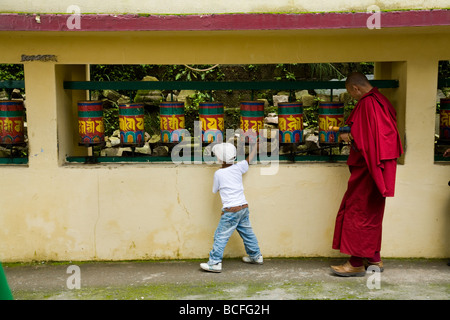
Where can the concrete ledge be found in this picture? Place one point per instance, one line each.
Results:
(214, 22)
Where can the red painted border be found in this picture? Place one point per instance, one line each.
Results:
(262, 21)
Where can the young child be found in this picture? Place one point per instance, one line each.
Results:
(235, 213)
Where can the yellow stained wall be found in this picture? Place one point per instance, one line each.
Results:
(51, 210)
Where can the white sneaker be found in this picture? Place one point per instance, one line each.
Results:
(250, 260)
(211, 268)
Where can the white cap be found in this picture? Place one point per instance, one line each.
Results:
(225, 152)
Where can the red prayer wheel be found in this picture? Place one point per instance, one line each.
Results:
(331, 114)
(172, 121)
(444, 117)
(131, 124)
(12, 114)
(90, 123)
(211, 116)
(290, 122)
(252, 117)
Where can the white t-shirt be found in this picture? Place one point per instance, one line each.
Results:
(228, 181)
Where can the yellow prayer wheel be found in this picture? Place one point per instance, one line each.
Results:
(131, 124)
(12, 114)
(90, 123)
(252, 118)
(331, 114)
(290, 122)
(211, 116)
(172, 121)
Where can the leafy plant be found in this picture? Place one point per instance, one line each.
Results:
(287, 72)
(151, 123)
(325, 71)
(444, 69)
(11, 72)
(201, 72)
(111, 119)
(191, 110)
(232, 118)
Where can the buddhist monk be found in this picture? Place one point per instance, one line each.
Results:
(375, 147)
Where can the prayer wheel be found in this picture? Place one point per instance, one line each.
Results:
(444, 127)
(90, 123)
(331, 114)
(252, 117)
(131, 124)
(290, 122)
(171, 117)
(211, 116)
(12, 113)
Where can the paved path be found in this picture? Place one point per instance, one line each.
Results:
(277, 279)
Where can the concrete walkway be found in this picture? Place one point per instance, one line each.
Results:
(285, 279)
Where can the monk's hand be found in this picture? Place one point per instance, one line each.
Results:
(447, 153)
(347, 137)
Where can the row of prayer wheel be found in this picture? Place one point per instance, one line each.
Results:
(211, 115)
(172, 121)
(92, 130)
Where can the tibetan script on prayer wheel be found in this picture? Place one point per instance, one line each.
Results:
(172, 121)
(331, 114)
(131, 124)
(12, 114)
(211, 116)
(90, 123)
(290, 122)
(252, 118)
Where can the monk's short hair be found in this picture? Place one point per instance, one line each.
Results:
(358, 79)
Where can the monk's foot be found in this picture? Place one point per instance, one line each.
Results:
(378, 264)
(347, 270)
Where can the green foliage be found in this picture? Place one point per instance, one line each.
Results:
(111, 119)
(192, 108)
(444, 69)
(325, 71)
(286, 73)
(11, 72)
(232, 118)
(311, 116)
(193, 73)
(119, 72)
(151, 122)
(270, 109)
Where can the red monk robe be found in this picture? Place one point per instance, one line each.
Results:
(372, 162)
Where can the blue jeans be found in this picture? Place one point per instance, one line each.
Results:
(229, 222)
